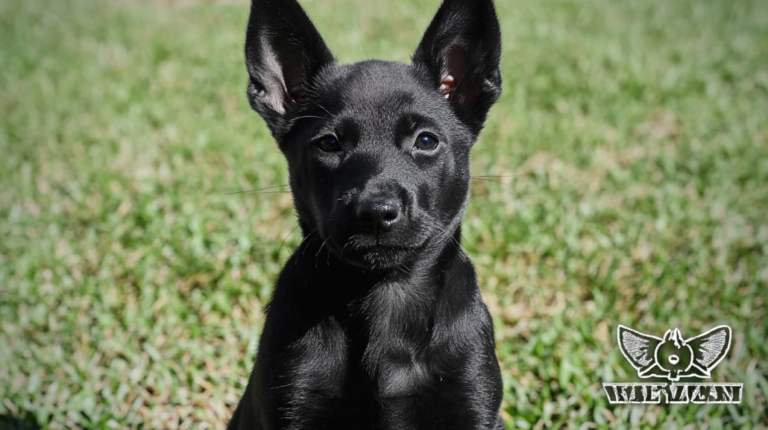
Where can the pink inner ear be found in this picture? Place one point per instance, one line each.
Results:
(293, 73)
(294, 83)
(455, 67)
(448, 86)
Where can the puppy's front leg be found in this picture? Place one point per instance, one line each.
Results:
(300, 373)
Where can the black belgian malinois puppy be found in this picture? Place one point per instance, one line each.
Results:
(376, 321)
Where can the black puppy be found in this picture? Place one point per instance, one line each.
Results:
(377, 320)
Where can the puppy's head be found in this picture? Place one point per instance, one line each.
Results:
(378, 152)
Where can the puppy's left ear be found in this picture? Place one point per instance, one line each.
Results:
(461, 52)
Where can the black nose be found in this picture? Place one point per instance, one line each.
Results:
(379, 211)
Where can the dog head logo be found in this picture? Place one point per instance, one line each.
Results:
(674, 357)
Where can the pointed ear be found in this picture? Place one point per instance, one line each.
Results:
(461, 51)
(283, 52)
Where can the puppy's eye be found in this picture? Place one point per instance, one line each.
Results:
(426, 142)
(329, 144)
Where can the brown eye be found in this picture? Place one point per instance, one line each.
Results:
(329, 144)
(426, 142)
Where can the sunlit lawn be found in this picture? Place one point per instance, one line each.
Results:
(632, 138)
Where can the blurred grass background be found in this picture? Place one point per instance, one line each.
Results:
(633, 136)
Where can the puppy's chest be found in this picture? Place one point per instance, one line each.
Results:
(343, 356)
(351, 370)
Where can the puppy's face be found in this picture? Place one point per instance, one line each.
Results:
(378, 162)
(378, 152)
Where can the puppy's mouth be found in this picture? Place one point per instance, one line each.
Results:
(370, 252)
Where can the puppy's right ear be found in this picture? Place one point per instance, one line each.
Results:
(283, 52)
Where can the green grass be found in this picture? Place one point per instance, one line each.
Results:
(635, 138)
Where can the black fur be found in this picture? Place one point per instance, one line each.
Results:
(377, 320)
